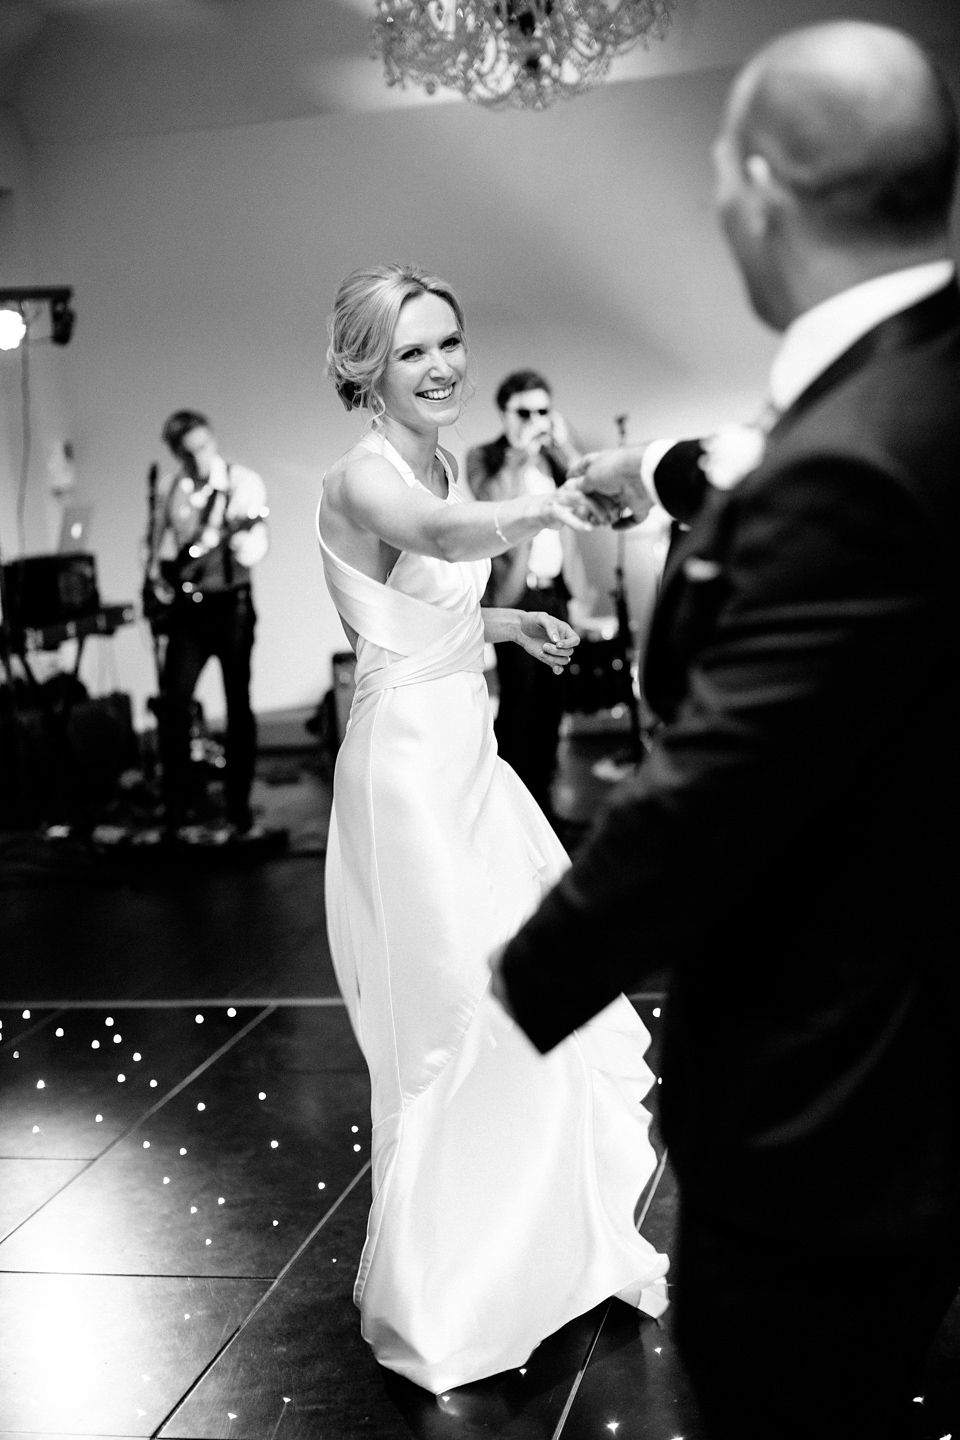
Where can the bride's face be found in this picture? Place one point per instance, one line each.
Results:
(423, 382)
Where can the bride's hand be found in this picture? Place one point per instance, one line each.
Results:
(570, 506)
(546, 638)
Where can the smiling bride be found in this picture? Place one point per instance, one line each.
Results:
(504, 1183)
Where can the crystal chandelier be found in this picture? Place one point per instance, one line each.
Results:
(520, 53)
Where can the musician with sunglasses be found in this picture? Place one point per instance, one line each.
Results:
(211, 524)
(531, 456)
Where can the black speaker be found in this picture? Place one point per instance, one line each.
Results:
(53, 764)
(50, 590)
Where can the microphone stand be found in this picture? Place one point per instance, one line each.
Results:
(637, 750)
(153, 475)
(155, 703)
(13, 737)
(6, 633)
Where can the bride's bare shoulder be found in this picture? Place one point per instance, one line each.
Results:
(341, 467)
(354, 480)
(356, 465)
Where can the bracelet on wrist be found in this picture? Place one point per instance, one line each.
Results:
(496, 525)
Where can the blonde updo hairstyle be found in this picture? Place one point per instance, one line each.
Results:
(365, 314)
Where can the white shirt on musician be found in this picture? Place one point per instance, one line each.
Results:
(181, 500)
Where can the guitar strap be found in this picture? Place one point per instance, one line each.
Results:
(204, 519)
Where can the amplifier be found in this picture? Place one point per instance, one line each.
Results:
(50, 590)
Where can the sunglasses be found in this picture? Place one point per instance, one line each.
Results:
(523, 414)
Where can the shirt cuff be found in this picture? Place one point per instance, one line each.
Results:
(652, 456)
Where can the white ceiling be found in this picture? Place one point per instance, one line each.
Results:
(84, 69)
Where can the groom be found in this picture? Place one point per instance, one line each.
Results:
(790, 847)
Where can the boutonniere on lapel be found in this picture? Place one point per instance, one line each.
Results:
(732, 453)
(699, 570)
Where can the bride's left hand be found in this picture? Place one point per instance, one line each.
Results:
(546, 638)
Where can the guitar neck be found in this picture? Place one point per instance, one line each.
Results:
(241, 523)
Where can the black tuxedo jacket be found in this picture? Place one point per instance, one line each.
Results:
(790, 846)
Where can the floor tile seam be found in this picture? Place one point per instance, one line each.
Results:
(215, 1002)
(61, 1435)
(135, 1275)
(53, 1160)
(22, 1035)
(209, 1001)
(262, 1300)
(578, 1378)
(141, 1119)
(649, 1189)
(655, 1185)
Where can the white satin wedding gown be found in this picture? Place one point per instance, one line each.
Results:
(504, 1182)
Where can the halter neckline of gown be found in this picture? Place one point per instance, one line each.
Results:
(378, 444)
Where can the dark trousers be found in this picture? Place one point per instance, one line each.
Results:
(527, 726)
(221, 624)
(786, 1343)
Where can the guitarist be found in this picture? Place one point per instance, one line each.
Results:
(210, 518)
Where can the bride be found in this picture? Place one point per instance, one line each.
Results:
(504, 1182)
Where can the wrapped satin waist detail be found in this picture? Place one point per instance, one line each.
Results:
(461, 649)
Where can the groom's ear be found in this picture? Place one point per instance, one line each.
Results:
(766, 196)
(758, 171)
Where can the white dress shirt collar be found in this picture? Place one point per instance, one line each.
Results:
(823, 334)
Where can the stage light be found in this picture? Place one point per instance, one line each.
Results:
(12, 329)
(13, 324)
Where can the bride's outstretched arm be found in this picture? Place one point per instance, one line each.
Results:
(372, 496)
(542, 635)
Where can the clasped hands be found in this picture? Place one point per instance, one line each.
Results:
(606, 488)
(603, 488)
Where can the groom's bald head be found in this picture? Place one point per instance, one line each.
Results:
(856, 123)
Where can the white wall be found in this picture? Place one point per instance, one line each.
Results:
(581, 240)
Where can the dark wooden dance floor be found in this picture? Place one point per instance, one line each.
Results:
(184, 1182)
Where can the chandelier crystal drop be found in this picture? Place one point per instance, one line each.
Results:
(524, 54)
